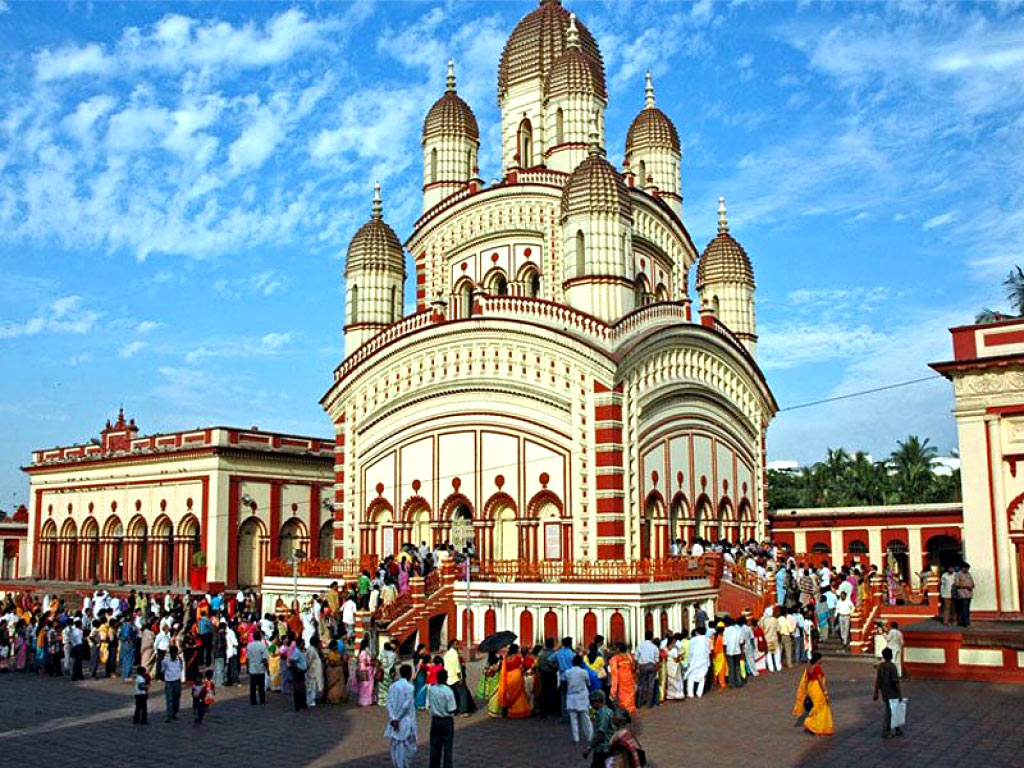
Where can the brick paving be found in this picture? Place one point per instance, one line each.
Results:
(89, 724)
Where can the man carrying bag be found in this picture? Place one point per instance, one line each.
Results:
(887, 683)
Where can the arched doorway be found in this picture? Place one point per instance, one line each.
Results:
(462, 526)
(506, 535)
(113, 532)
(647, 544)
(551, 626)
(136, 555)
(48, 551)
(161, 569)
(250, 565)
(526, 628)
(187, 542)
(706, 522)
(943, 551)
(69, 551)
(385, 533)
(291, 538)
(617, 628)
(325, 541)
(725, 516)
(897, 559)
(89, 547)
(589, 627)
(421, 527)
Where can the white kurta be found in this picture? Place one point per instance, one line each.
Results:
(700, 658)
(401, 707)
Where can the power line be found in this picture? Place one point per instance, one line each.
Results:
(861, 393)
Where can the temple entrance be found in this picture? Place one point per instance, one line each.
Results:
(943, 551)
(249, 535)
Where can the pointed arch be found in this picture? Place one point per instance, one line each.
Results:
(453, 503)
(433, 165)
(376, 507)
(656, 502)
(112, 526)
(498, 500)
(69, 529)
(411, 506)
(49, 530)
(162, 526)
(540, 499)
(1015, 514)
(462, 295)
(496, 282)
(559, 126)
(581, 254)
(90, 528)
(137, 526)
(189, 526)
(525, 143)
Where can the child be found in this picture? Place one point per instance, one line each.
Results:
(202, 696)
(141, 716)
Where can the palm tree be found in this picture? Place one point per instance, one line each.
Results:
(987, 316)
(911, 466)
(1014, 284)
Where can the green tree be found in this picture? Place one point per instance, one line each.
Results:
(1014, 285)
(911, 469)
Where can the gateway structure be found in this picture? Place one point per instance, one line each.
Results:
(554, 399)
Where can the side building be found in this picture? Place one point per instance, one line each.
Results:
(206, 507)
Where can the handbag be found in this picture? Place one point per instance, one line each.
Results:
(808, 704)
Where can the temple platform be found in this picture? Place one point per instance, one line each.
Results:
(988, 650)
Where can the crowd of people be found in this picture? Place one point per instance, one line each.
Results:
(316, 655)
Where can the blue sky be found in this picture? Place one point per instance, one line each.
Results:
(178, 184)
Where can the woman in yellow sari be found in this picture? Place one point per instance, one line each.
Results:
(812, 691)
(623, 679)
(718, 658)
(511, 693)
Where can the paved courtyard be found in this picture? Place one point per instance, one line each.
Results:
(89, 724)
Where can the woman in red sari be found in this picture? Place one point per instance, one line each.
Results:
(511, 693)
(623, 679)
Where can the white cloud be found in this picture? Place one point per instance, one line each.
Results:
(940, 221)
(795, 344)
(81, 122)
(256, 143)
(148, 326)
(276, 341)
(131, 349)
(178, 42)
(270, 344)
(80, 359)
(4, 7)
(63, 315)
(265, 283)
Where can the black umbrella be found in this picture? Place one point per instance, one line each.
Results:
(497, 641)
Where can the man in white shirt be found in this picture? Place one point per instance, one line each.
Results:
(256, 659)
(700, 659)
(697, 549)
(401, 729)
(844, 610)
(894, 642)
(232, 656)
(348, 615)
(442, 706)
(946, 593)
(647, 658)
(732, 639)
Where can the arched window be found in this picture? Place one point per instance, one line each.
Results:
(858, 547)
(469, 164)
(433, 166)
(581, 261)
(559, 127)
(715, 307)
(391, 307)
(642, 173)
(465, 294)
(498, 284)
(661, 293)
(354, 311)
(525, 144)
(533, 285)
(821, 548)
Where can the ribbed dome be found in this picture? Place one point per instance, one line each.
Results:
(651, 129)
(596, 187)
(572, 72)
(450, 115)
(537, 41)
(724, 260)
(375, 244)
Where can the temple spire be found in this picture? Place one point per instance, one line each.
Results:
(649, 92)
(723, 221)
(378, 207)
(451, 75)
(572, 36)
(594, 147)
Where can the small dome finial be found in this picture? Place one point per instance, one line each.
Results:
(723, 222)
(572, 36)
(451, 75)
(649, 92)
(378, 207)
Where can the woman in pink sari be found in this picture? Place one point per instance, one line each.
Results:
(403, 578)
(364, 674)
